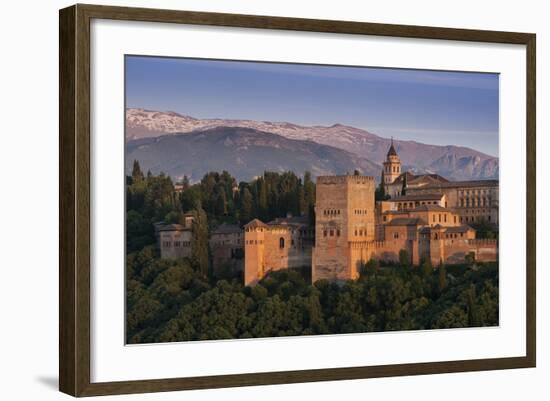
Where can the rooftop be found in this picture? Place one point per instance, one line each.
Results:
(416, 197)
(255, 223)
(457, 229)
(172, 227)
(430, 208)
(417, 179)
(227, 229)
(295, 220)
(407, 221)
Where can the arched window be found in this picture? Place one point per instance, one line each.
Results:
(281, 242)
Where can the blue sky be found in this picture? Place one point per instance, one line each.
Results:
(443, 108)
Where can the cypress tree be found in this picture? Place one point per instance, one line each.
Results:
(199, 240)
(137, 174)
(473, 310)
(247, 205)
(262, 199)
(442, 276)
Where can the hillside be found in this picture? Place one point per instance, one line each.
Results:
(244, 152)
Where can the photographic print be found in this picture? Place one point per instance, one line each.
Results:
(280, 199)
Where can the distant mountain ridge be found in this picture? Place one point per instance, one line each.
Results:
(453, 162)
(244, 152)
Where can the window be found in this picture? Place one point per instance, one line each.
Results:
(332, 233)
(395, 235)
(281, 242)
(177, 244)
(433, 218)
(324, 233)
(384, 218)
(337, 233)
(166, 244)
(440, 218)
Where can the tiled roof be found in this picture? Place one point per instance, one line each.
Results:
(296, 220)
(457, 229)
(430, 208)
(416, 197)
(172, 227)
(476, 183)
(255, 223)
(406, 221)
(227, 229)
(391, 150)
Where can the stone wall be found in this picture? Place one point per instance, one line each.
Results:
(273, 248)
(175, 244)
(344, 211)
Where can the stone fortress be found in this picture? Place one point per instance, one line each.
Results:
(426, 215)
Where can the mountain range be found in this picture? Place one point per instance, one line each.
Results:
(334, 149)
(244, 152)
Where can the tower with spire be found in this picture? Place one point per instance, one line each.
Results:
(392, 166)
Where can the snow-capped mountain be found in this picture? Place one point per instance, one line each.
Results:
(419, 157)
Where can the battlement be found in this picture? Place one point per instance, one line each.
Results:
(343, 179)
(482, 241)
(367, 244)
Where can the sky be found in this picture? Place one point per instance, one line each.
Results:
(435, 107)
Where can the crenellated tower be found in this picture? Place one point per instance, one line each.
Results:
(344, 213)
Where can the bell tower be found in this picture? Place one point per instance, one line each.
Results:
(392, 166)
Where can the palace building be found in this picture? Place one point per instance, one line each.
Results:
(174, 240)
(425, 215)
(283, 243)
(473, 201)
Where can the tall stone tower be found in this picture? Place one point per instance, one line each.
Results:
(344, 214)
(254, 236)
(392, 166)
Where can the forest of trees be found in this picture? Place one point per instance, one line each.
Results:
(179, 300)
(170, 300)
(151, 199)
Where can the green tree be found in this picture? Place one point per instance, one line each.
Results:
(309, 195)
(473, 310)
(371, 267)
(262, 199)
(404, 257)
(221, 204)
(137, 174)
(199, 241)
(426, 267)
(247, 205)
(442, 277)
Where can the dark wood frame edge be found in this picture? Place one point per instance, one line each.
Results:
(74, 199)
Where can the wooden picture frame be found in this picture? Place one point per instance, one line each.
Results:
(74, 203)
